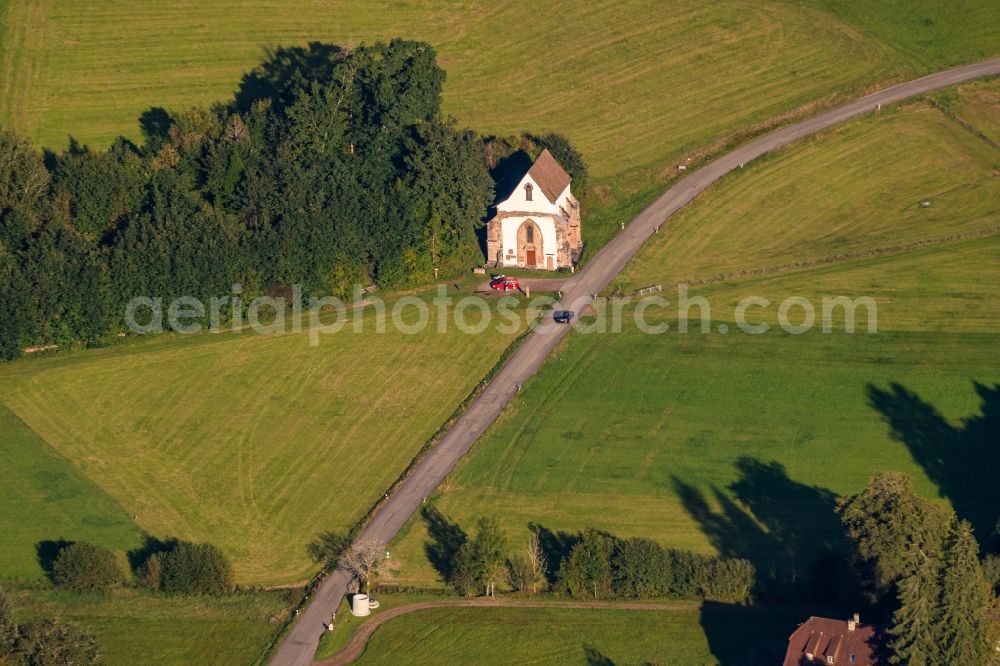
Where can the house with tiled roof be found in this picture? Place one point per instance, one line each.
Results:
(536, 223)
(821, 640)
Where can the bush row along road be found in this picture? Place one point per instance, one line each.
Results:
(300, 644)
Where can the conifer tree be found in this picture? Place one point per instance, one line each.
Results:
(965, 601)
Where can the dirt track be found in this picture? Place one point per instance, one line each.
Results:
(359, 640)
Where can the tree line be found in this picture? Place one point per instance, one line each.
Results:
(590, 564)
(327, 169)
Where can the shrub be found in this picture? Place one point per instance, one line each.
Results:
(729, 580)
(195, 568)
(641, 568)
(53, 643)
(86, 566)
(150, 572)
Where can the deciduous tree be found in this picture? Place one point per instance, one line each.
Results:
(364, 560)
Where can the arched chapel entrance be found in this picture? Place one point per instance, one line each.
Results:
(530, 251)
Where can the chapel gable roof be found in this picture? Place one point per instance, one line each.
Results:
(550, 176)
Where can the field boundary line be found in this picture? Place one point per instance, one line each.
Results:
(886, 250)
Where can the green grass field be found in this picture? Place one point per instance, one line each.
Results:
(856, 188)
(139, 628)
(254, 442)
(565, 636)
(734, 442)
(630, 82)
(44, 498)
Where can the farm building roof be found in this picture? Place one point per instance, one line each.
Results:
(821, 640)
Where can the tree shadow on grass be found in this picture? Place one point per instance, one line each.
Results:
(963, 461)
(594, 657)
(150, 546)
(154, 123)
(47, 551)
(788, 530)
(556, 544)
(738, 636)
(283, 70)
(446, 537)
(327, 548)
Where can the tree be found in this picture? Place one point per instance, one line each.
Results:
(966, 601)
(945, 602)
(196, 568)
(8, 627)
(465, 570)
(447, 191)
(488, 547)
(517, 572)
(364, 561)
(884, 521)
(50, 642)
(641, 568)
(538, 562)
(991, 569)
(23, 176)
(480, 563)
(587, 569)
(86, 566)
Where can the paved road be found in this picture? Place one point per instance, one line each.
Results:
(300, 644)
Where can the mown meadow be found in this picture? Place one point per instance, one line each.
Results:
(740, 444)
(258, 444)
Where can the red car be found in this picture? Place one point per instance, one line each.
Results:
(505, 284)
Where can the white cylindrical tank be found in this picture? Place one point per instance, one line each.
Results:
(359, 605)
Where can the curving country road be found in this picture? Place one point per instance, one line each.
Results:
(300, 644)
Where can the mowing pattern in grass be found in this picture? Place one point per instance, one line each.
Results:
(43, 498)
(629, 82)
(253, 442)
(850, 190)
(933, 34)
(563, 636)
(140, 628)
(978, 103)
(734, 442)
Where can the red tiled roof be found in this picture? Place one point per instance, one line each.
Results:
(550, 176)
(823, 638)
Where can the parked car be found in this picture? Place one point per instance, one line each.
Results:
(505, 284)
(562, 316)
